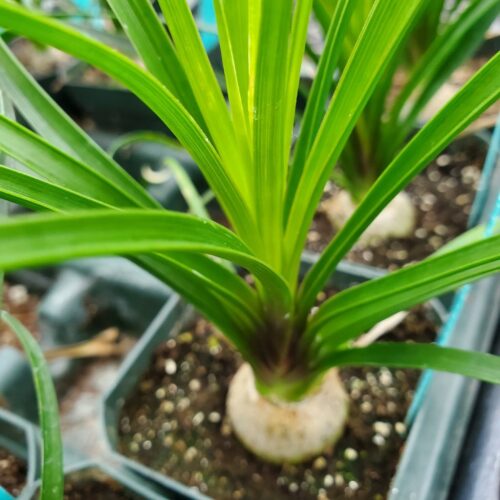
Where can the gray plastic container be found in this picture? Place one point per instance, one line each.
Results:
(19, 437)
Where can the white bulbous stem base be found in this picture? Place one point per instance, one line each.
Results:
(287, 432)
(397, 219)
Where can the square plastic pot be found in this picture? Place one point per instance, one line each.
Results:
(168, 323)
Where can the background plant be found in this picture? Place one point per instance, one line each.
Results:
(243, 150)
(441, 37)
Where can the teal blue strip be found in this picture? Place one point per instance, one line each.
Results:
(4, 495)
(91, 9)
(461, 295)
(208, 24)
(488, 169)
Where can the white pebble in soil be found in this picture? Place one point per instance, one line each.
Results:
(17, 294)
(170, 367)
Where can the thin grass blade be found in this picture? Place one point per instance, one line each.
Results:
(48, 411)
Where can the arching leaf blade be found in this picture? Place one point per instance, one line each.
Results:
(352, 311)
(485, 367)
(38, 239)
(48, 411)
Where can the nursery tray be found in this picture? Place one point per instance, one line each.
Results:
(123, 293)
(436, 438)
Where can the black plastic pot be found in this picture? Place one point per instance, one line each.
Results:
(169, 323)
(109, 108)
(19, 438)
(99, 470)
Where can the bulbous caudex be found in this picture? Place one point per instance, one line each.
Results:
(397, 220)
(287, 432)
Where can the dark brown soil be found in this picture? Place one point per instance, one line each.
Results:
(99, 487)
(23, 305)
(95, 485)
(175, 423)
(12, 472)
(443, 196)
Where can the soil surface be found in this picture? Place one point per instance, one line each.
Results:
(174, 421)
(12, 472)
(23, 305)
(442, 194)
(96, 488)
(95, 485)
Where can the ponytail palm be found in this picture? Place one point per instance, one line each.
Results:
(441, 37)
(244, 150)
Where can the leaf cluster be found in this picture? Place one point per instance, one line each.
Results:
(267, 185)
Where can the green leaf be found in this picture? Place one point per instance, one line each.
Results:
(207, 91)
(187, 188)
(48, 411)
(319, 94)
(33, 240)
(297, 44)
(270, 136)
(450, 49)
(5, 109)
(477, 365)
(140, 22)
(476, 96)
(232, 26)
(347, 314)
(37, 194)
(255, 8)
(143, 136)
(186, 273)
(56, 127)
(54, 165)
(471, 236)
(208, 295)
